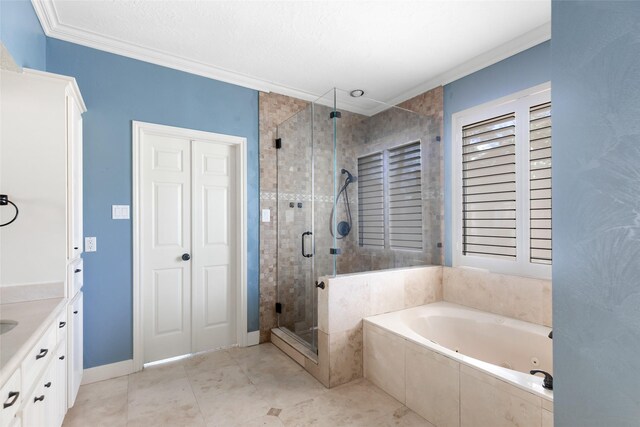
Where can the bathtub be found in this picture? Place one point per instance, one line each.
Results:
(452, 357)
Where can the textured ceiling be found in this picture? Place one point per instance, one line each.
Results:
(391, 49)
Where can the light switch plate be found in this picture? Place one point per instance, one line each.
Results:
(266, 215)
(90, 244)
(119, 211)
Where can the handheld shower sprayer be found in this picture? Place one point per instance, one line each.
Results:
(343, 228)
(350, 178)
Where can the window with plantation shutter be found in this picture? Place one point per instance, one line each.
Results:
(489, 187)
(405, 197)
(540, 182)
(371, 209)
(501, 185)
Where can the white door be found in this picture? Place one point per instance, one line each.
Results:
(214, 219)
(166, 237)
(187, 236)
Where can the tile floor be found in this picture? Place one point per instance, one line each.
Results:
(254, 386)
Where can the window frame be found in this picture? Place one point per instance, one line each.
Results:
(518, 102)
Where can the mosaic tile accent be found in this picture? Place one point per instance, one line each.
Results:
(265, 195)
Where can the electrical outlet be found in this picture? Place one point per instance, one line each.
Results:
(90, 244)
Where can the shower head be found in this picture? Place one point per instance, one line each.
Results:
(350, 178)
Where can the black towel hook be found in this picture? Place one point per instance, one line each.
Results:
(4, 201)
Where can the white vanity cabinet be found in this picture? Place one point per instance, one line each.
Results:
(41, 172)
(36, 393)
(46, 398)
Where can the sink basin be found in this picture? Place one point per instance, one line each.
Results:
(7, 325)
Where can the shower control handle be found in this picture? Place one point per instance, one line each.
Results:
(304, 253)
(320, 285)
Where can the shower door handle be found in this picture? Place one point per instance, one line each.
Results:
(304, 254)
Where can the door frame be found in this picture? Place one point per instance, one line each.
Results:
(138, 130)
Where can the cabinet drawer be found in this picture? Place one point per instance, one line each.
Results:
(62, 326)
(41, 402)
(11, 397)
(38, 358)
(75, 277)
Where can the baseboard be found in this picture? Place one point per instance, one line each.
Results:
(253, 338)
(106, 372)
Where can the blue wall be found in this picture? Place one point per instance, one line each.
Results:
(596, 212)
(518, 72)
(22, 34)
(118, 90)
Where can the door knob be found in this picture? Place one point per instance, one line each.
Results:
(186, 257)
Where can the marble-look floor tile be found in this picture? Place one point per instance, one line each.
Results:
(100, 390)
(401, 417)
(210, 360)
(156, 376)
(290, 388)
(258, 360)
(110, 412)
(266, 420)
(232, 408)
(214, 381)
(104, 401)
(170, 403)
(257, 386)
(355, 404)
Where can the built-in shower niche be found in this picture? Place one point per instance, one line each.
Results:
(359, 189)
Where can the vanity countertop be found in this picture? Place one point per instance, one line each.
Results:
(33, 318)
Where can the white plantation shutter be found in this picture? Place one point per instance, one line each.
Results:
(502, 184)
(540, 183)
(489, 187)
(371, 201)
(405, 197)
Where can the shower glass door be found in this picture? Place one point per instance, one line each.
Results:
(306, 195)
(296, 292)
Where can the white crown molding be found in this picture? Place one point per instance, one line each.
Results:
(519, 44)
(46, 12)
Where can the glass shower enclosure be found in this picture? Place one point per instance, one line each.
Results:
(323, 230)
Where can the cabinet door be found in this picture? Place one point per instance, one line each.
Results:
(41, 407)
(61, 383)
(34, 411)
(74, 186)
(75, 347)
(51, 389)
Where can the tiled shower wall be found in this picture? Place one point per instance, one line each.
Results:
(388, 129)
(356, 135)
